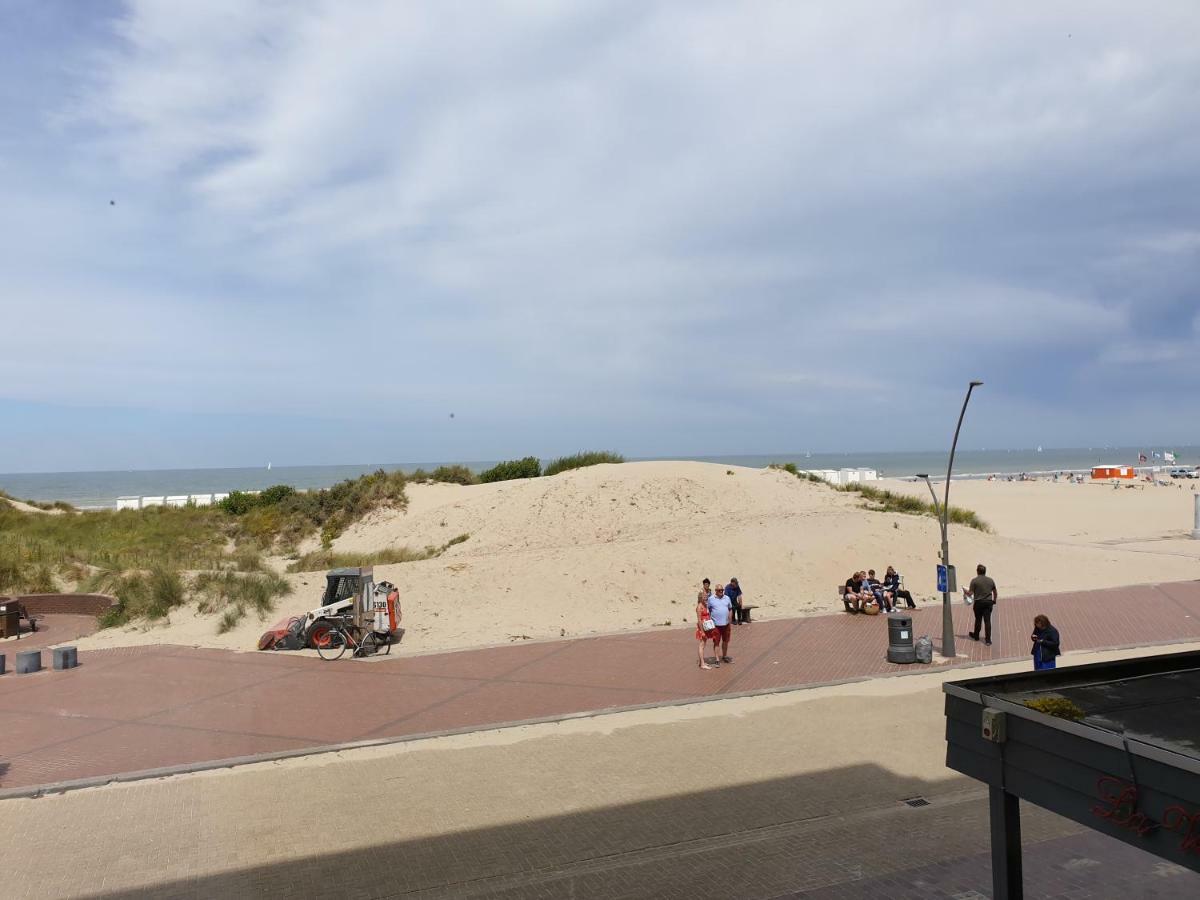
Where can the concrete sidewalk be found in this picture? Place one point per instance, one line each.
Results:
(136, 709)
(794, 794)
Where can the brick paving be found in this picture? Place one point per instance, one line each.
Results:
(52, 629)
(132, 709)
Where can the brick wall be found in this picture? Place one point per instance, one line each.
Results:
(76, 604)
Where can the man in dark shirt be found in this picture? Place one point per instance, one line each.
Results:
(984, 595)
(733, 591)
(852, 593)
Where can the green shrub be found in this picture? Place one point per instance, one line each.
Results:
(238, 503)
(583, 459)
(454, 475)
(529, 467)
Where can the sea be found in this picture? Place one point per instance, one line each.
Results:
(100, 490)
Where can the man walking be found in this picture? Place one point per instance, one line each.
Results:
(721, 611)
(984, 596)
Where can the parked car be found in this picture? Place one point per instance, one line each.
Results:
(1184, 473)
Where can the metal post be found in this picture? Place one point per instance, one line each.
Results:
(948, 649)
(1196, 519)
(1005, 812)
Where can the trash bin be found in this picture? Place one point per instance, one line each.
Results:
(900, 639)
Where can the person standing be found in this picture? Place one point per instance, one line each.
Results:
(984, 596)
(705, 630)
(1046, 643)
(721, 611)
(734, 592)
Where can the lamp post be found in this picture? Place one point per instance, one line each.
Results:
(948, 649)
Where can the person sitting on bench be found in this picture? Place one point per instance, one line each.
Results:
(853, 594)
(882, 597)
(891, 582)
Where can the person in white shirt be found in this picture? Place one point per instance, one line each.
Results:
(721, 611)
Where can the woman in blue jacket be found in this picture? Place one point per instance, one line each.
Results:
(1046, 644)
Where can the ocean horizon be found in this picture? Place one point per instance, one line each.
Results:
(101, 489)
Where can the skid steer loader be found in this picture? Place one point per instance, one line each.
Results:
(350, 593)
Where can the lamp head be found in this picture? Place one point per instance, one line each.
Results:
(976, 384)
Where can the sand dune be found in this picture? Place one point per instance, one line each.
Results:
(621, 547)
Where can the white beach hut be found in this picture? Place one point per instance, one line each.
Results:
(177, 500)
(849, 476)
(202, 499)
(128, 502)
(867, 474)
(217, 498)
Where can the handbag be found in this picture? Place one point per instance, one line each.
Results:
(707, 624)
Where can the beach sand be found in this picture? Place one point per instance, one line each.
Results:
(624, 547)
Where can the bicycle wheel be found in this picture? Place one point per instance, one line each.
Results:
(332, 644)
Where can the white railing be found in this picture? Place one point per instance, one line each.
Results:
(175, 500)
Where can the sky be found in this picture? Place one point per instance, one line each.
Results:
(328, 232)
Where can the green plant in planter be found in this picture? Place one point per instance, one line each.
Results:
(1059, 707)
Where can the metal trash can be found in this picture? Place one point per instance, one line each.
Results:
(900, 639)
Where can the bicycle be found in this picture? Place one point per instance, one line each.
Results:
(343, 634)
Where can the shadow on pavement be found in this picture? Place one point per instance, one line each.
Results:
(768, 839)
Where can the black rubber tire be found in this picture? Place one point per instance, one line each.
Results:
(315, 631)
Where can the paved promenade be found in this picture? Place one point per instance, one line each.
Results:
(135, 709)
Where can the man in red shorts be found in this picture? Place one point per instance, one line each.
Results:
(721, 611)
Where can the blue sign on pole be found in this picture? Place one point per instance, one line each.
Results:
(942, 588)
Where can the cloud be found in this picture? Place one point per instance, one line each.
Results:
(606, 219)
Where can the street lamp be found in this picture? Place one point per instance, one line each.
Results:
(948, 649)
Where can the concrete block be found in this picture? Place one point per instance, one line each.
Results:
(29, 661)
(72, 657)
(60, 658)
(1, 663)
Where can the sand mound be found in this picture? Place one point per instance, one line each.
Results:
(619, 547)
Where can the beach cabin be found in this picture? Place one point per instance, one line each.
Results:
(177, 500)
(849, 476)
(1101, 472)
(217, 498)
(867, 474)
(202, 499)
(128, 502)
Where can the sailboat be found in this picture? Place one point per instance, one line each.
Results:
(268, 467)
(1039, 451)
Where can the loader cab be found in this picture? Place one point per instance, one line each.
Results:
(343, 584)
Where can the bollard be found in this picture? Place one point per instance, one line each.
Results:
(72, 657)
(1, 663)
(1196, 519)
(29, 661)
(60, 658)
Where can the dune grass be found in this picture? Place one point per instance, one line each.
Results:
(583, 459)
(153, 560)
(234, 593)
(329, 559)
(883, 500)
